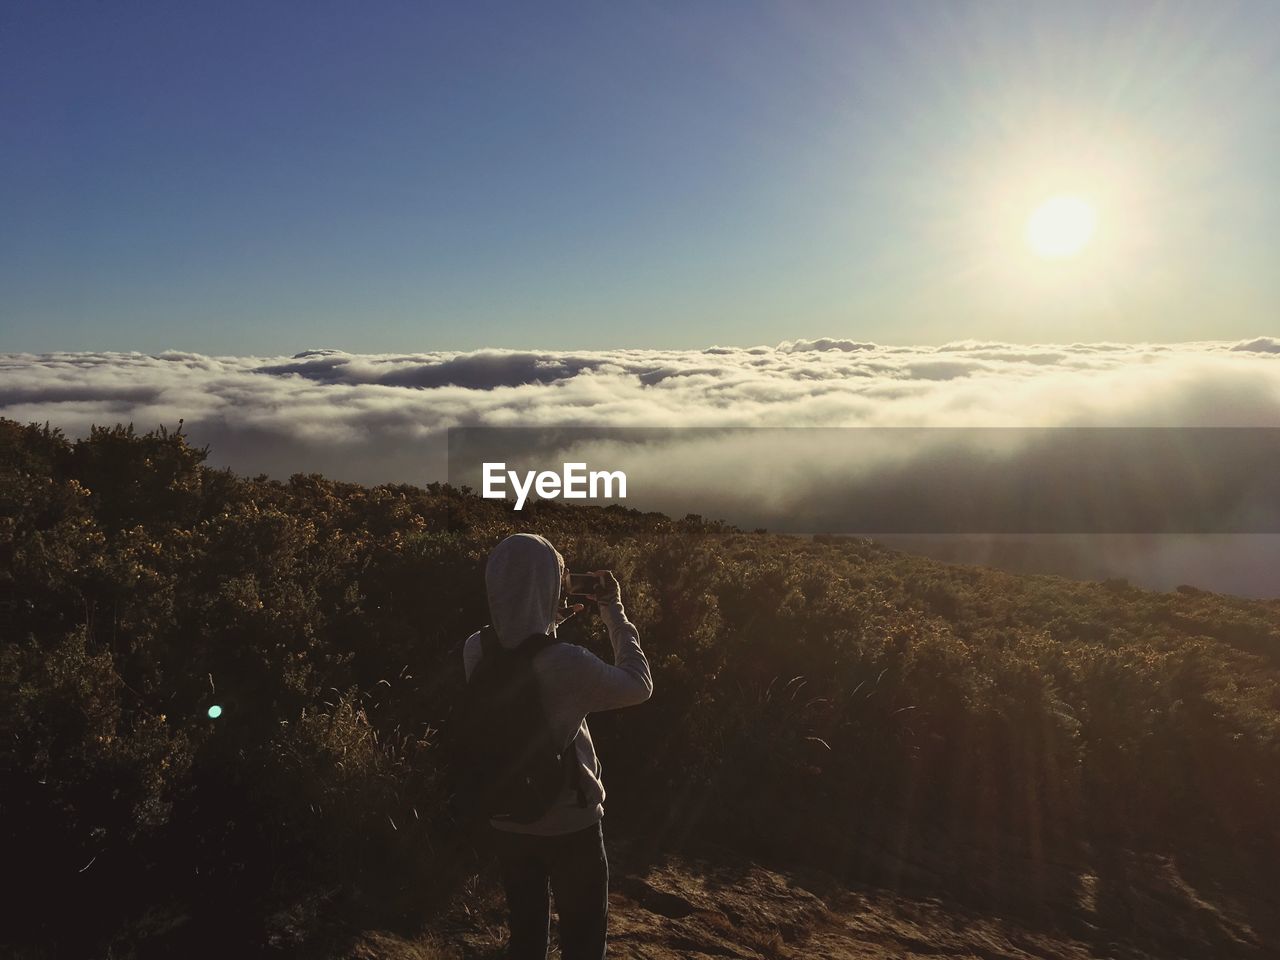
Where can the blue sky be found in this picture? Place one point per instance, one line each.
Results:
(270, 177)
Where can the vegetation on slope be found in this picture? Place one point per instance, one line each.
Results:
(825, 702)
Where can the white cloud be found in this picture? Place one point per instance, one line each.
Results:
(373, 417)
(376, 418)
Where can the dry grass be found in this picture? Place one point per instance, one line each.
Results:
(386, 946)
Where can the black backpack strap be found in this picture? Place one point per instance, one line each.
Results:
(490, 644)
(488, 641)
(530, 647)
(534, 644)
(489, 649)
(575, 768)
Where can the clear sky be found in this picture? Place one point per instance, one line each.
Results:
(269, 177)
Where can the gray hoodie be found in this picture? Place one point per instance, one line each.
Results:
(523, 580)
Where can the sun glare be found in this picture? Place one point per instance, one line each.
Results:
(1061, 227)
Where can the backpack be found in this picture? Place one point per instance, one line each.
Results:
(509, 766)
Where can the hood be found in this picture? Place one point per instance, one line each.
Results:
(523, 577)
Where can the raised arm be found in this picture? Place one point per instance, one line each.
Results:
(627, 681)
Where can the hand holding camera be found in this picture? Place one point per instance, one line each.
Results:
(598, 585)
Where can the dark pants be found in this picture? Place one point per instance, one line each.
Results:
(575, 866)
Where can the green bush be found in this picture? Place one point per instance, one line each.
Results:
(809, 695)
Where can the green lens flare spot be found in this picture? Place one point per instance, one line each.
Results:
(215, 712)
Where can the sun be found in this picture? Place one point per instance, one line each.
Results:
(1061, 226)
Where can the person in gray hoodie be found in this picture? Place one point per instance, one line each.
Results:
(564, 849)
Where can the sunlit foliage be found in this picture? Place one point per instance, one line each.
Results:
(812, 697)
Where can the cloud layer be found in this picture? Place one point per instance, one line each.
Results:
(377, 418)
(380, 418)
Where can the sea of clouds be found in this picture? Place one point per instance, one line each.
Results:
(382, 418)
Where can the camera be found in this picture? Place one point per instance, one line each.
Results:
(583, 584)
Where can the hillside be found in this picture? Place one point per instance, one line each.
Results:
(720, 904)
(887, 752)
(724, 906)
